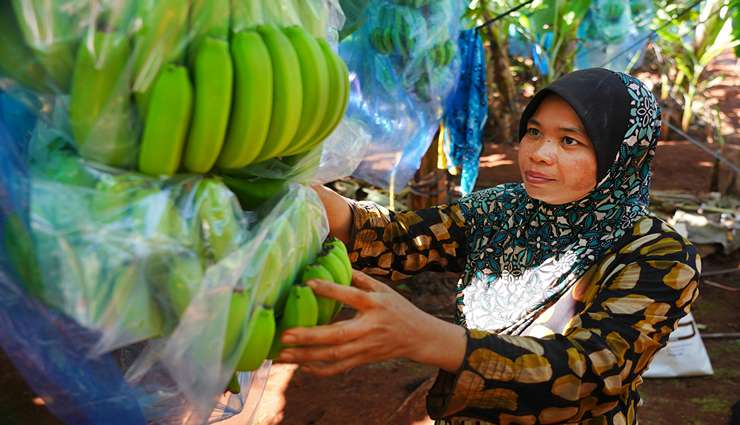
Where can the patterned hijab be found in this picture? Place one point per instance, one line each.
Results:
(525, 254)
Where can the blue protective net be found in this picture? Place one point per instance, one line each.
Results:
(404, 59)
(49, 350)
(466, 110)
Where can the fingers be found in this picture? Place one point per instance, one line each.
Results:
(328, 369)
(328, 353)
(335, 333)
(348, 295)
(363, 281)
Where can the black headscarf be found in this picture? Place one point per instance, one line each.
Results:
(600, 100)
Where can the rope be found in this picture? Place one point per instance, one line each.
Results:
(706, 149)
(502, 15)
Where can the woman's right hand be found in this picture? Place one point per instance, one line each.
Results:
(338, 212)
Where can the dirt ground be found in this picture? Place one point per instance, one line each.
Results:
(393, 392)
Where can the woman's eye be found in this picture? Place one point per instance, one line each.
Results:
(531, 131)
(569, 141)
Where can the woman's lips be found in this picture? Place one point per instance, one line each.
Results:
(536, 178)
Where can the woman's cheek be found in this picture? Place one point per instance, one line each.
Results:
(582, 174)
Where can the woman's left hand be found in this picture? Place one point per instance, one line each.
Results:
(386, 326)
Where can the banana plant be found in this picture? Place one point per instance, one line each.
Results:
(552, 25)
(689, 44)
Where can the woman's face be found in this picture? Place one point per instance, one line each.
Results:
(556, 158)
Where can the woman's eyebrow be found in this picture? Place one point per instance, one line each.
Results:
(573, 130)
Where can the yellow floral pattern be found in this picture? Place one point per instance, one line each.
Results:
(586, 370)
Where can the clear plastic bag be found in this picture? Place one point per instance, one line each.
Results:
(613, 34)
(405, 63)
(146, 270)
(121, 287)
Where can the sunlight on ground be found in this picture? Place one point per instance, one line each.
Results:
(272, 407)
(495, 160)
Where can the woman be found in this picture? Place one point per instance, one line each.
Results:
(569, 286)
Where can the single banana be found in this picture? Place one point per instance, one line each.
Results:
(233, 386)
(161, 39)
(288, 92)
(99, 106)
(130, 308)
(260, 334)
(315, 86)
(213, 78)
(253, 193)
(326, 306)
(252, 103)
(219, 215)
(49, 30)
(184, 276)
(339, 93)
(246, 14)
(235, 324)
(387, 40)
(334, 265)
(337, 246)
(301, 310)
(208, 18)
(19, 62)
(167, 122)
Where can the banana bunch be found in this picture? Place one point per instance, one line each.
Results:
(50, 31)
(19, 61)
(331, 265)
(441, 54)
(302, 307)
(413, 3)
(398, 30)
(281, 111)
(264, 293)
(269, 92)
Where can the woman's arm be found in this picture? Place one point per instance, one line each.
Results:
(396, 245)
(588, 370)
(386, 326)
(580, 374)
(338, 213)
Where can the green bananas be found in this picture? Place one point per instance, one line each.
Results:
(48, 29)
(254, 192)
(208, 18)
(234, 386)
(19, 61)
(339, 88)
(332, 265)
(213, 75)
(218, 215)
(161, 40)
(167, 122)
(260, 334)
(442, 53)
(301, 310)
(287, 98)
(315, 79)
(99, 107)
(253, 98)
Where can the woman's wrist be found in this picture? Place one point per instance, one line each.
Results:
(442, 344)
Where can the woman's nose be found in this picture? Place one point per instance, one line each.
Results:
(544, 152)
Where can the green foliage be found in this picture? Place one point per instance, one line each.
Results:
(687, 45)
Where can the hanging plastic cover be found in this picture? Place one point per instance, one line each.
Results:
(134, 256)
(614, 34)
(404, 63)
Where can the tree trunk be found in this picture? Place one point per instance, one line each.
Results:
(504, 81)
